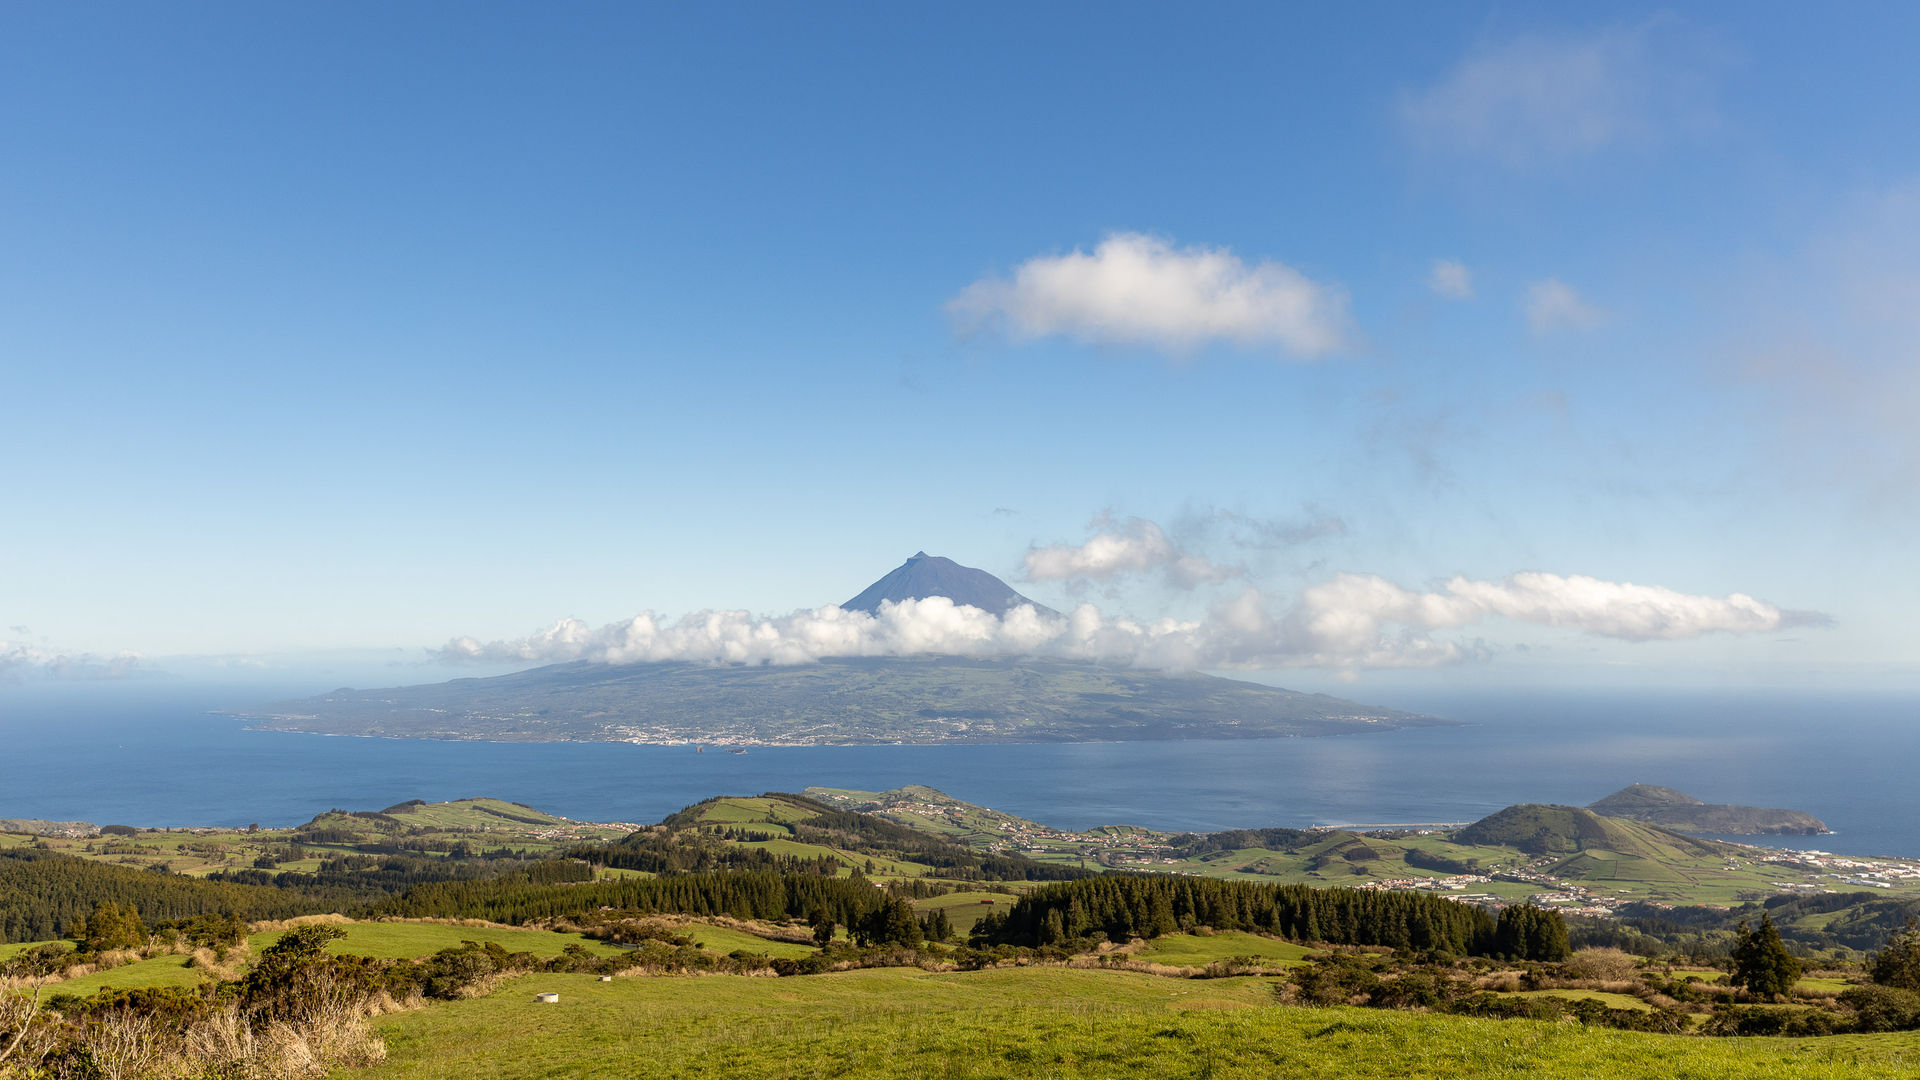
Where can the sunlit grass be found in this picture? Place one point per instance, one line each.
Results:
(1045, 1022)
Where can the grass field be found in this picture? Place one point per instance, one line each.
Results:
(722, 940)
(1189, 950)
(1043, 1022)
(159, 971)
(408, 941)
(965, 908)
(22, 946)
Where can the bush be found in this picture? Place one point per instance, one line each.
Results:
(1604, 965)
(1335, 980)
(1882, 1008)
(1783, 1022)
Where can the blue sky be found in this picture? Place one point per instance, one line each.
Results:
(331, 334)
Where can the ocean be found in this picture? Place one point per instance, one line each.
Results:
(153, 754)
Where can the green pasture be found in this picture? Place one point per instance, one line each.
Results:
(1193, 950)
(743, 810)
(159, 971)
(7, 951)
(1683, 975)
(1044, 1022)
(724, 940)
(409, 941)
(800, 850)
(966, 907)
(614, 873)
(478, 814)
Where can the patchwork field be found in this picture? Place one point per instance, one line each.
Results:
(429, 829)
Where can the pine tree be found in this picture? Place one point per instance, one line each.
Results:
(1899, 963)
(822, 924)
(937, 926)
(1526, 932)
(1761, 962)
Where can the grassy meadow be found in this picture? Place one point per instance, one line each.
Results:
(170, 970)
(22, 946)
(1042, 1022)
(412, 940)
(1192, 950)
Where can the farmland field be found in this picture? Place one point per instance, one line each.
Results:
(1042, 1021)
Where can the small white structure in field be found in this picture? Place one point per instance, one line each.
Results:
(547, 999)
(606, 978)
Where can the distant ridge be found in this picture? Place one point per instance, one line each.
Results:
(839, 700)
(1677, 810)
(926, 575)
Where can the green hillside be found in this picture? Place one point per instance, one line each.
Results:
(1677, 810)
(1566, 830)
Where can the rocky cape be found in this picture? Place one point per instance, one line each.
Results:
(1677, 810)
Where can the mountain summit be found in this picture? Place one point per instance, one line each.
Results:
(927, 575)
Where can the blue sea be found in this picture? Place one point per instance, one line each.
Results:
(155, 754)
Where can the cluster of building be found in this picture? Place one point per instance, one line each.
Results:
(1847, 870)
(1564, 897)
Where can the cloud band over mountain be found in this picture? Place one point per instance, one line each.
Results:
(1350, 621)
(20, 660)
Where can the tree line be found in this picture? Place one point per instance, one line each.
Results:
(740, 894)
(44, 895)
(1127, 906)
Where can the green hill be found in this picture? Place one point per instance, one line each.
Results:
(1538, 829)
(761, 830)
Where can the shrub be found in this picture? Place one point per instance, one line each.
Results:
(1606, 965)
(1882, 1008)
(1898, 964)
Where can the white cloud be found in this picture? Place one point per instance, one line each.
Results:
(1351, 621)
(1536, 99)
(935, 625)
(1140, 290)
(1451, 279)
(1353, 604)
(1130, 547)
(1553, 305)
(20, 659)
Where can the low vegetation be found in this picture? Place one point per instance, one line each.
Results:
(1055, 1022)
(862, 925)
